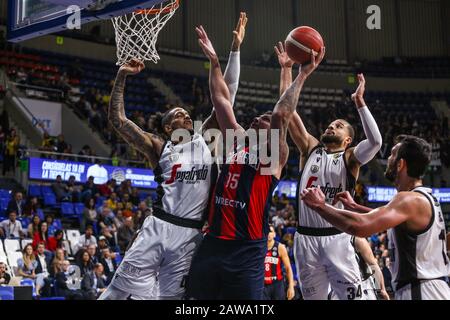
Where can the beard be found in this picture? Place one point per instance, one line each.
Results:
(327, 139)
(391, 173)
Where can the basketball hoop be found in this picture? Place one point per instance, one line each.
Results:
(137, 32)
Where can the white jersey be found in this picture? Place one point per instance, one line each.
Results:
(422, 256)
(184, 176)
(329, 171)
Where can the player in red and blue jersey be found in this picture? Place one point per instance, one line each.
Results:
(229, 263)
(276, 257)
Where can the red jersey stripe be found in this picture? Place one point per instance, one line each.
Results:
(257, 203)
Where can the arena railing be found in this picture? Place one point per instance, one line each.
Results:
(52, 93)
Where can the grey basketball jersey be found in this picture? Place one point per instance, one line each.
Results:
(329, 171)
(420, 256)
(184, 176)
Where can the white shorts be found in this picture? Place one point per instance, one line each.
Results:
(426, 290)
(327, 263)
(157, 262)
(368, 289)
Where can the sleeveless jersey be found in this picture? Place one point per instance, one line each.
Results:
(329, 171)
(272, 265)
(184, 175)
(239, 207)
(420, 256)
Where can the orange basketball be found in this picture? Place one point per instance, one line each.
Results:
(299, 43)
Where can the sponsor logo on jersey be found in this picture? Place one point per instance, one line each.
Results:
(230, 202)
(329, 191)
(314, 168)
(192, 176)
(271, 260)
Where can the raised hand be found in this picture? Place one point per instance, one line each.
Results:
(239, 32)
(313, 197)
(309, 68)
(133, 67)
(358, 96)
(283, 58)
(346, 199)
(205, 43)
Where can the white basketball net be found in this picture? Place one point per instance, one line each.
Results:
(137, 32)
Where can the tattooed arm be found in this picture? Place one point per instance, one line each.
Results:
(286, 108)
(149, 144)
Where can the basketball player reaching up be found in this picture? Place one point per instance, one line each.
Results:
(164, 246)
(230, 261)
(324, 255)
(273, 274)
(413, 218)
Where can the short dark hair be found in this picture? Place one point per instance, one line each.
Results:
(416, 152)
(350, 129)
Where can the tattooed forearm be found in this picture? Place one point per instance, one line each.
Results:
(288, 101)
(128, 130)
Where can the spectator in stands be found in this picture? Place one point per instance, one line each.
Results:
(94, 283)
(84, 262)
(43, 259)
(89, 189)
(134, 197)
(73, 189)
(112, 202)
(86, 152)
(126, 202)
(33, 226)
(17, 204)
(60, 190)
(61, 145)
(143, 211)
(56, 241)
(86, 239)
(108, 263)
(102, 243)
(62, 278)
(47, 142)
(107, 226)
(31, 207)
(89, 215)
(125, 187)
(41, 235)
(11, 228)
(57, 262)
(4, 276)
(11, 147)
(107, 188)
(52, 226)
(93, 253)
(125, 234)
(27, 265)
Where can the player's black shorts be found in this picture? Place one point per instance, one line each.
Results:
(275, 291)
(227, 270)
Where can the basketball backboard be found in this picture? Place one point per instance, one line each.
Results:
(32, 18)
